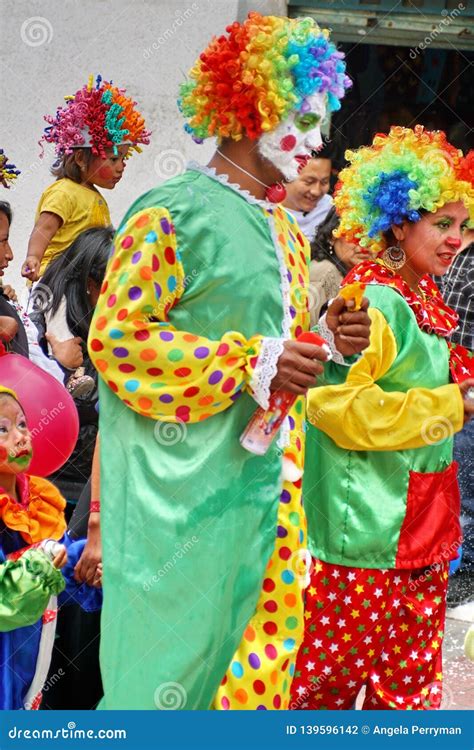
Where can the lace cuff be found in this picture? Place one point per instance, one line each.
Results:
(265, 370)
(327, 334)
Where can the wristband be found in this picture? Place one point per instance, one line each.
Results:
(94, 506)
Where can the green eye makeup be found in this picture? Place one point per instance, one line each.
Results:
(306, 122)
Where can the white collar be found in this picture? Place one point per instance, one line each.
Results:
(224, 180)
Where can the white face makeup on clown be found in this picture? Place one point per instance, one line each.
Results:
(290, 145)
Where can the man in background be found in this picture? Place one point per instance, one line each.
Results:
(308, 196)
(456, 287)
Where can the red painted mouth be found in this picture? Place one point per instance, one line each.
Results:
(22, 453)
(446, 258)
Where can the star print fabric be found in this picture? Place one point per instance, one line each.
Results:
(379, 628)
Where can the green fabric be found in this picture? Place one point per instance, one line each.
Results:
(26, 585)
(355, 501)
(189, 527)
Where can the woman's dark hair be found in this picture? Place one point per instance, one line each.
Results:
(68, 167)
(67, 276)
(322, 247)
(6, 210)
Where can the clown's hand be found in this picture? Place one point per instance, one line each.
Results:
(351, 328)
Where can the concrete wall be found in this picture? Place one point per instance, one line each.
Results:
(49, 48)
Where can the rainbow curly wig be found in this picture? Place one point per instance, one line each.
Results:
(246, 83)
(98, 117)
(396, 178)
(8, 172)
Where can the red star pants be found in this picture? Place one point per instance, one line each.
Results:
(379, 628)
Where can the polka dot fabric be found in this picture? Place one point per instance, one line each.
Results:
(162, 373)
(262, 670)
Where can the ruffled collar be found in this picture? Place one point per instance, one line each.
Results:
(431, 312)
(224, 180)
(39, 514)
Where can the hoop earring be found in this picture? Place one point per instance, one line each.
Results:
(394, 257)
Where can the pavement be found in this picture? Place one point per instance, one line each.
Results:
(458, 682)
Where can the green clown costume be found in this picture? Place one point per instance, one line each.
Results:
(204, 286)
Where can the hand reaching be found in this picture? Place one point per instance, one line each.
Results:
(351, 328)
(31, 268)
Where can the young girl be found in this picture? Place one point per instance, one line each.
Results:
(74, 279)
(92, 134)
(31, 519)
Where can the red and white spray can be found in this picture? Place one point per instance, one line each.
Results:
(265, 424)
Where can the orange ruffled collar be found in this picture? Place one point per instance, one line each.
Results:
(39, 514)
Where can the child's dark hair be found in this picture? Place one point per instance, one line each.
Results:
(6, 210)
(68, 275)
(322, 247)
(67, 166)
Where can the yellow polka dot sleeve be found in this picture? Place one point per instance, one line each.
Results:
(156, 370)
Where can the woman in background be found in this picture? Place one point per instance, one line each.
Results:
(331, 258)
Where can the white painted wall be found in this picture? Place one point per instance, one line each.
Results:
(48, 49)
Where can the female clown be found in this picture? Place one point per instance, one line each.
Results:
(380, 487)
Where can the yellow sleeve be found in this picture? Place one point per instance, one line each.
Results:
(157, 370)
(359, 415)
(55, 200)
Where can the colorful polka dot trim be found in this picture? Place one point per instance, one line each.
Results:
(261, 673)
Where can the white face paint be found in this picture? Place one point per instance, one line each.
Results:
(290, 145)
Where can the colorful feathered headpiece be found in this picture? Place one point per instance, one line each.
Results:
(396, 178)
(8, 172)
(98, 117)
(247, 82)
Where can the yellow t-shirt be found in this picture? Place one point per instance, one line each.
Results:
(79, 207)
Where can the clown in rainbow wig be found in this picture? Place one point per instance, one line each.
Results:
(380, 484)
(399, 177)
(93, 134)
(203, 298)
